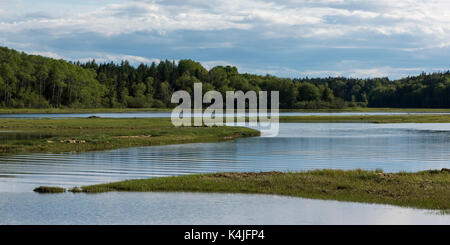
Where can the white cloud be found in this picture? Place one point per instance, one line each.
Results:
(345, 69)
(204, 45)
(393, 72)
(210, 64)
(117, 58)
(99, 57)
(428, 20)
(383, 71)
(21, 45)
(47, 54)
(252, 33)
(131, 58)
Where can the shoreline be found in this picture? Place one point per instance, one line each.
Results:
(78, 111)
(433, 118)
(424, 189)
(130, 110)
(93, 134)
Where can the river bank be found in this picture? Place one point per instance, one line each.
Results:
(424, 189)
(21, 135)
(423, 118)
(127, 110)
(91, 134)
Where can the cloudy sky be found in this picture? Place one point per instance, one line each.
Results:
(289, 38)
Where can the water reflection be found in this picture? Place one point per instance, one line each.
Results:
(168, 114)
(200, 209)
(391, 147)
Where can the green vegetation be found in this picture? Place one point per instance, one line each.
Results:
(76, 110)
(34, 81)
(426, 189)
(75, 190)
(30, 81)
(123, 110)
(369, 109)
(87, 134)
(49, 189)
(369, 119)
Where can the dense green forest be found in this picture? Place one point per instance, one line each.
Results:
(31, 81)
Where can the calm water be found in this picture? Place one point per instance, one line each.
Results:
(391, 147)
(197, 208)
(167, 114)
(299, 146)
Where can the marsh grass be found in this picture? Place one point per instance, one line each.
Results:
(79, 110)
(75, 190)
(371, 109)
(49, 189)
(122, 110)
(88, 134)
(431, 118)
(426, 189)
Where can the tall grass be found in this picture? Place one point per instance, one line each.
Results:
(426, 189)
(87, 134)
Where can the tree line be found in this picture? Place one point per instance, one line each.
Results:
(32, 81)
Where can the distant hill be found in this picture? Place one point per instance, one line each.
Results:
(31, 81)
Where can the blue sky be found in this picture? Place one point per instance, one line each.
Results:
(287, 38)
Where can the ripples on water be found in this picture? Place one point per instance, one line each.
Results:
(391, 147)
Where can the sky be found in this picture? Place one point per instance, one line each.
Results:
(287, 38)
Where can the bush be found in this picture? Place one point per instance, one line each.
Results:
(49, 189)
(138, 102)
(158, 104)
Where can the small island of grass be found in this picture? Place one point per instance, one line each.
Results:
(425, 189)
(89, 134)
(49, 189)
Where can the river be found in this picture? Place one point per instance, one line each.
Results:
(299, 146)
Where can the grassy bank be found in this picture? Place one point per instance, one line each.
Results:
(49, 189)
(371, 109)
(121, 110)
(74, 110)
(87, 134)
(427, 189)
(432, 118)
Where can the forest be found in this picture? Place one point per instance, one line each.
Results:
(32, 81)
